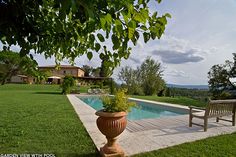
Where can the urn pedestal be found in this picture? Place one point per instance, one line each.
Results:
(111, 125)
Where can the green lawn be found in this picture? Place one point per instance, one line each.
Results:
(220, 146)
(175, 100)
(84, 89)
(38, 119)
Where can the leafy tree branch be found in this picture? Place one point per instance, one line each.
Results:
(71, 28)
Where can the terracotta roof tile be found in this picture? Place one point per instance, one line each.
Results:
(61, 66)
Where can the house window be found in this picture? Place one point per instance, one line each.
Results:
(64, 72)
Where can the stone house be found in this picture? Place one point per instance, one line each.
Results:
(56, 75)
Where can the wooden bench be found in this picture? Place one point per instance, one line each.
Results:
(215, 109)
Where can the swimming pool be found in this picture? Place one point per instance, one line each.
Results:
(143, 111)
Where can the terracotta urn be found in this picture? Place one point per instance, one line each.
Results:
(111, 125)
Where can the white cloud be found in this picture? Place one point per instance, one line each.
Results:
(177, 57)
(176, 73)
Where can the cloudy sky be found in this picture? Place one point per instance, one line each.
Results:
(200, 34)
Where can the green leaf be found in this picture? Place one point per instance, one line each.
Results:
(154, 15)
(101, 56)
(131, 29)
(107, 34)
(163, 20)
(117, 22)
(153, 35)
(97, 47)
(131, 8)
(125, 16)
(91, 38)
(140, 2)
(143, 27)
(168, 15)
(115, 42)
(31, 56)
(103, 23)
(119, 27)
(65, 8)
(108, 19)
(23, 52)
(136, 34)
(138, 17)
(115, 55)
(3, 38)
(154, 31)
(100, 37)
(125, 44)
(90, 55)
(130, 32)
(141, 16)
(144, 13)
(146, 37)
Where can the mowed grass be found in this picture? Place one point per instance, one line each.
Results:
(174, 100)
(220, 146)
(38, 119)
(82, 89)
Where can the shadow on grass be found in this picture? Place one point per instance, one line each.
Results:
(50, 93)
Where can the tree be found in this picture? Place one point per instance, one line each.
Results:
(87, 70)
(130, 77)
(11, 64)
(105, 70)
(67, 84)
(96, 72)
(220, 84)
(71, 28)
(41, 76)
(150, 74)
(145, 79)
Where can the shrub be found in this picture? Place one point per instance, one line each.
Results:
(167, 92)
(136, 90)
(67, 84)
(117, 103)
(225, 95)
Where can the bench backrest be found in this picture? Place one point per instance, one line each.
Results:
(217, 108)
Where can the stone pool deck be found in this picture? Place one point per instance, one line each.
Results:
(150, 134)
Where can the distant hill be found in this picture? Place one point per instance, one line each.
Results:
(188, 86)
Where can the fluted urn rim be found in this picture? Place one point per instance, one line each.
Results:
(110, 114)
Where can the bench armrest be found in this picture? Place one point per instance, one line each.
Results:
(195, 107)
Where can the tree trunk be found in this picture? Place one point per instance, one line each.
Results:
(3, 80)
(8, 75)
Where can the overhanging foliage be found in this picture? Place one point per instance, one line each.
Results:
(71, 28)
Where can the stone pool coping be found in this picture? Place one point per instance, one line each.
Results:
(149, 134)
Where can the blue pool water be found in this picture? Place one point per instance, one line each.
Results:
(143, 111)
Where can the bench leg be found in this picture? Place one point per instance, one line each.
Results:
(217, 119)
(205, 124)
(233, 119)
(190, 120)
